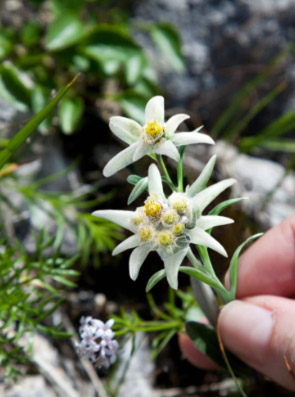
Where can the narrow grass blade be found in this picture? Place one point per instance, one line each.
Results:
(233, 267)
(30, 127)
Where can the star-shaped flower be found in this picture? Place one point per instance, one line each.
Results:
(156, 136)
(169, 225)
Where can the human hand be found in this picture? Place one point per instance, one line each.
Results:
(259, 327)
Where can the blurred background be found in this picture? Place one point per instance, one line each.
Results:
(230, 66)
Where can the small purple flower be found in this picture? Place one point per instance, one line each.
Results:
(97, 341)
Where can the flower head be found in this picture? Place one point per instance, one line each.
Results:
(169, 225)
(155, 136)
(97, 341)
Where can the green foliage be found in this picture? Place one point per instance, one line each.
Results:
(82, 36)
(30, 127)
(65, 211)
(138, 189)
(233, 266)
(167, 322)
(247, 104)
(32, 284)
(70, 113)
(166, 38)
(64, 32)
(30, 291)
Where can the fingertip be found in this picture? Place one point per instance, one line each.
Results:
(268, 266)
(260, 330)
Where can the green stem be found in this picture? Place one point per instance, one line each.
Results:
(180, 170)
(166, 173)
(203, 252)
(219, 288)
(149, 326)
(194, 261)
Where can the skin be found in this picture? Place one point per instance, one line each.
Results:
(259, 327)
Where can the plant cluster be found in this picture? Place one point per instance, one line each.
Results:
(173, 225)
(68, 37)
(32, 280)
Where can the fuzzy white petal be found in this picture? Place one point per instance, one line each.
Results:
(189, 138)
(137, 258)
(154, 110)
(168, 149)
(126, 129)
(203, 178)
(120, 161)
(120, 217)
(173, 123)
(198, 236)
(209, 221)
(206, 196)
(141, 150)
(172, 264)
(155, 182)
(130, 242)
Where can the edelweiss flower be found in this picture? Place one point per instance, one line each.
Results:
(97, 341)
(169, 225)
(155, 136)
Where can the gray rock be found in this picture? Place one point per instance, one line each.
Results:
(139, 378)
(225, 43)
(30, 386)
(270, 190)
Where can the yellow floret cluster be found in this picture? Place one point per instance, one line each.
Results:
(153, 129)
(159, 222)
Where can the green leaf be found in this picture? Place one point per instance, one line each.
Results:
(6, 45)
(205, 340)
(233, 267)
(111, 47)
(222, 206)
(133, 179)
(134, 67)
(64, 281)
(168, 336)
(202, 180)
(281, 145)
(62, 6)
(199, 274)
(139, 188)
(10, 77)
(256, 109)
(167, 39)
(155, 279)
(70, 113)
(40, 97)
(276, 129)
(64, 32)
(30, 127)
(236, 108)
(31, 33)
(134, 106)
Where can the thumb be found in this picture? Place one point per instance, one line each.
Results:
(261, 331)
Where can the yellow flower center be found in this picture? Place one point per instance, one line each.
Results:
(146, 233)
(152, 209)
(137, 219)
(178, 229)
(153, 129)
(170, 217)
(180, 205)
(166, 238)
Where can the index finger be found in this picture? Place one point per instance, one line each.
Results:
(268, 266)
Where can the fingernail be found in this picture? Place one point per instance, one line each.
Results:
(246, 330)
